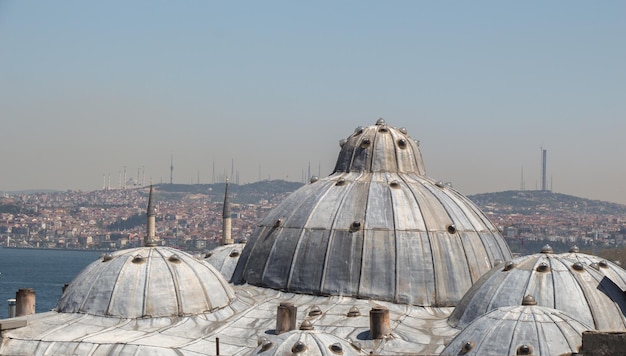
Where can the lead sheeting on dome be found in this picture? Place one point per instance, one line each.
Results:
(377, 228)
(147, 282)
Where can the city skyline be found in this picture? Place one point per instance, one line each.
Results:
(91, 88)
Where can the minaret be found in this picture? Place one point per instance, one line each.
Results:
(149, 240)
(227, 223)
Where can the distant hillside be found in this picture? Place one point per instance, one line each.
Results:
(28, 191)
(241, 194)
(531, 202)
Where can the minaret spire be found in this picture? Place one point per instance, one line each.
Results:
(227, 223)
(151, 213)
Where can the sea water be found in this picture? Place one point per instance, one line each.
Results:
(46, 271)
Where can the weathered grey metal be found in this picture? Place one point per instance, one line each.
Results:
(224, 258)
(519, 330)
(616, 273)
(306, 343)
(417, 330)
(555, 282)
(375, 228)
(147, 282)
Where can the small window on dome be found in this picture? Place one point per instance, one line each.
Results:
(138, 259)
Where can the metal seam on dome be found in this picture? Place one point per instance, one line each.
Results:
(330, 236)
(352, 155)
(91, 286)
(358, 289)
(486, 336)
(396, 154)
(240, 272)
(499, 287)
(319, 343)
(437, 194)
(273, 248)
(396, 243)
(526, 291)
(427, 232)
(114, 289)
(537, 323)
(371, 153)
(494, 251)
(146, 284)
(557, 324)
(581, 287)
(179, 297)
(206, 293)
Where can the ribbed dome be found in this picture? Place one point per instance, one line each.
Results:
(376, 228)
(519, 330)
(616, 273)
(380, 148)
(224, 258)
(305, 343)
(146, 282)
(555, 282)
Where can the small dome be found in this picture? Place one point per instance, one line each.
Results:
(146, 282)
(519, 330)
(380, 148)
(306, 343)
(376, 228)
(555, 282)
(224, 258)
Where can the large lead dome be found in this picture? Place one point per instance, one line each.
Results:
(377, 227)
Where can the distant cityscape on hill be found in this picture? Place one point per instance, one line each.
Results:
(189, 217)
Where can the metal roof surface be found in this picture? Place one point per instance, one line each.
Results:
(556, 282)
(147, 282)
(238, 326)
(307, 343)
(519, 330)
(614, 272)
(375, 228)
(224, 258)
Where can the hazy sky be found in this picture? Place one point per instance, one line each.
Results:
(90, 87)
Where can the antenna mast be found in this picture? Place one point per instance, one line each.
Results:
(172, 170)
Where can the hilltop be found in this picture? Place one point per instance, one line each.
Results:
(535, 201)
(240, 194)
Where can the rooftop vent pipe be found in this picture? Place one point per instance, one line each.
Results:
(286, 317)
(25, 302)
(379, 322)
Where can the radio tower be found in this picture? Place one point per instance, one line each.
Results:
(172, 170)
